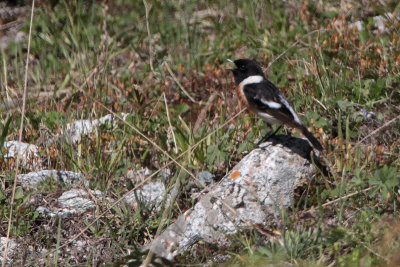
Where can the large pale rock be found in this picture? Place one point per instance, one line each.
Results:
(252, 193)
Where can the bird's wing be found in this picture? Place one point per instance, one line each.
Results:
(265, 97)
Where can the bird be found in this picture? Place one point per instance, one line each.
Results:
(264, 99)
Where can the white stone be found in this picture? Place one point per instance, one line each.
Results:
(73, 202)
(75, 130)
(28, 153)
(12, 246)
(151, 195)
(66, 177)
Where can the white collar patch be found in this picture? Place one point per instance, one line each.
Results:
(252, 79)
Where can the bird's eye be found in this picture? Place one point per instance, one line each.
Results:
(242, 67)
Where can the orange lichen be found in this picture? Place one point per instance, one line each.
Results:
(235, 174)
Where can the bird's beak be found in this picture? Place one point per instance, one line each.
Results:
(231, 61)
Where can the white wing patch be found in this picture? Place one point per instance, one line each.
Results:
(252, 79)
(271, 104)
(289, 107)
(268, 118)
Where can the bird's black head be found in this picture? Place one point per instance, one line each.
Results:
(245, 68)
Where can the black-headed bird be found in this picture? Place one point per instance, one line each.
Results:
(264, 99)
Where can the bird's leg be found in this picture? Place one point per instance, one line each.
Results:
(269, 135)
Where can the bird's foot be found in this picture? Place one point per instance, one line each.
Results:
(268, 136)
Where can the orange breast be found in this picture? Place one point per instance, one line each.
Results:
(242, 98)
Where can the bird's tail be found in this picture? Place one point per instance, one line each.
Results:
(315, 143)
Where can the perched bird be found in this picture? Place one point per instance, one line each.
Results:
(264, 99)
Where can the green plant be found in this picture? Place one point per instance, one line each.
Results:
(4, 131)
(386, 180)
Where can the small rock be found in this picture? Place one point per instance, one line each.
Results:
(72, 203)
(29, 154)
(358, 24)
(12, 246)
(151, 195)
(66, 177)
(75, 130)
(78, 199)
(17, 37)
(80, 245)
(165, 173)
(206, 177)
(379, 22)
(138, 176)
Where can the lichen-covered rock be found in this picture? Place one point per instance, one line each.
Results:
(12, 249)
(252, 193)
(138, 176)
(66, 177)
(151, 195)
(72, 203)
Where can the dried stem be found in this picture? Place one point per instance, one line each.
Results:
(21, 127)
(179, 84)
(293, 45)
(147, 8)
(169, 122)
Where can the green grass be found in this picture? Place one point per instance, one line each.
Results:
(86, 55)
